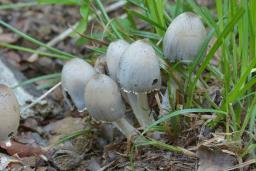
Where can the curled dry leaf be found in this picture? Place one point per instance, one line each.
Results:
(214, 159)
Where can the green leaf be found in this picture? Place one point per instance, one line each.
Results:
(147, 19)
(144, 34)
(17, 5)
(63, 2)
(33, 80)
(80, 28)
(84, 10)
(107, 19)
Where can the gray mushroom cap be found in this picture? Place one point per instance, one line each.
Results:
(75, 75)
(114, 52)
(103, 97)
(139, 69)
(9, 113)
(184, 37)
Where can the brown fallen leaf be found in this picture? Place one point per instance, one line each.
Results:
(63, 127)
(214, 159)
(22, 150)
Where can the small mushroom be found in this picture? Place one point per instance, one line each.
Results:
(104, 103)
(100, 65)
(114, 52)
(139, 74)
(184, 37)
(9, 113)
(75, 75)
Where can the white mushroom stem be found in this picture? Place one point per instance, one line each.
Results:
(139, 105)
(129, 131)
(125, 127)
(142, 100)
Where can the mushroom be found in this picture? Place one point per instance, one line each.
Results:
(74, 76)
(9, 113)
(139, 74)
(184, 37)
(104, 103)
(114, 52)
(100, 65)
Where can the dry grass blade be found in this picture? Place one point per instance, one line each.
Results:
(242, 165)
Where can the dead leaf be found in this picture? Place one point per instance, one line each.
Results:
(22, 150)
(214, 159)
(63, 127)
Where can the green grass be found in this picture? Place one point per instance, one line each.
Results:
(232, 23)
(17, 5)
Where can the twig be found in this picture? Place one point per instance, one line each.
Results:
(66, 33)
(106, 166)
(41, 97)
(247, 163)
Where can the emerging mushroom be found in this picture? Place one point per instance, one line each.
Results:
(104, 103)
(75, 75)
(139, 74)
(9, 113)
(100, 65)
(114, 52)
(184, 37)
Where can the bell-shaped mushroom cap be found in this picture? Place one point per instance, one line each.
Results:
(114, 52)
(184, 37)
(104, 100)
(75, 75)
(139, 69)
(9, 113)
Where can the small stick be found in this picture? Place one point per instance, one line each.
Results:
(41, 97)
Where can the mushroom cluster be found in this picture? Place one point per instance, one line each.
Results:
(9, 113)
(134, 71)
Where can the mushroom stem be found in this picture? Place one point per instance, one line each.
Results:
(129, 131)
(142, 101)
(140, 108)
(125, 127)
